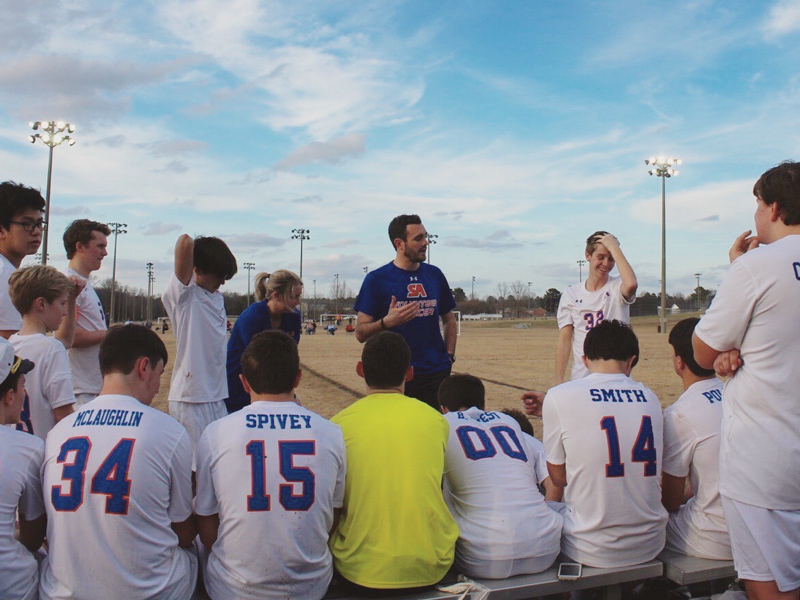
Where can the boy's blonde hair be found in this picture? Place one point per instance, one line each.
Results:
(38, 281)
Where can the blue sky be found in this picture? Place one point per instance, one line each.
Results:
(515, 129)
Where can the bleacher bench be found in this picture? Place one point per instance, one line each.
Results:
(541, 584)
(688, 570)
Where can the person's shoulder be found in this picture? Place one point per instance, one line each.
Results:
(23, 443)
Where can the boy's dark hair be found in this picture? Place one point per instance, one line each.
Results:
(611, 340)
(385, 360)
(781, 184)
(270, 363)
(680, 338)
(462, 391)
(9, 383)
(524, 423)
(397, 228)
(126, 344)
(213, 257)
(593, 240)
(16, 198)
(80, 231)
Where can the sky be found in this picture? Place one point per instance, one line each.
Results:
(513, 128)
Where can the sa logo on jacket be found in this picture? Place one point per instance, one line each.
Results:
(416, 290)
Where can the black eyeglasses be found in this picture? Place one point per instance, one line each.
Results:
(30, 226)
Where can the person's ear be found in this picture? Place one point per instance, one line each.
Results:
(360, 369)
(245, 385)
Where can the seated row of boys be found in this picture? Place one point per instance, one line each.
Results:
(389, 492)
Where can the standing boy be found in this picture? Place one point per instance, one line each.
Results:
(603, 436)
(270, 479)
(85, 242)
(196, 308)
(117, 486)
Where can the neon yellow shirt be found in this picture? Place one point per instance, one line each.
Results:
(395, 530)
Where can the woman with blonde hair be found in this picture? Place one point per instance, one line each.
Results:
(277, 298)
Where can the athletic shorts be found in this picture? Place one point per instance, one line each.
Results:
(765, 543)
(502, 569)
(195, 417)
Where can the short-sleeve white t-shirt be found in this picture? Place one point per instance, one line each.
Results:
(20, 489)
(201, 329)
(691, 449)
(584, 309)
(537, 457)
(273, 472)
(757, 310)
(490, 489)
(608, 430)
(116, 475)
(48, 386)
(85, 362)
(10, 319)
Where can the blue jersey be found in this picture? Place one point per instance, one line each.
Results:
(253, 320)
(427, 286)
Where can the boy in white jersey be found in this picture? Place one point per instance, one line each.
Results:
(85, 242)
(196, 308)
(270, 484)
(20, 488)
(117, 486)
(584, 305)
(44, 297)
(751, 332)
(536, 454)
(691, 449)
(603, 437)
(505, 526)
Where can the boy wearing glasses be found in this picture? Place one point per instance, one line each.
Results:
(21, 229)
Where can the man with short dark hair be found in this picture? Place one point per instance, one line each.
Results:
(395, 531)
(751, 333)
(691, 450)
(117, 485)
(603, 437)
(270, 484)
(21, 229)
(196, 308)
(85, 242)
(410, 297)
(505, 526)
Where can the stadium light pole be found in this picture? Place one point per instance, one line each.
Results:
(54, 133)
(248, 266)
(301, 234)
(663, 168)
(149, 314)
(473, 287)
(366, 270)
(116, 229)
(336, 293)
(529, 296)
(697, 290)
(432, 237)
(581, 263)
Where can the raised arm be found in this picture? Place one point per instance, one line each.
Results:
(184, 259)
(629, 282)
(66, 331)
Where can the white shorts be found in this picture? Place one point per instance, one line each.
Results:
(502, 569)
(686, 538)
(195, 417)
(765, 543)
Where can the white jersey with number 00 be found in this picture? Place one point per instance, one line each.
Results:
(608, 430)
(273, 472)
(116, 475)
(490, 488)
(584, 309)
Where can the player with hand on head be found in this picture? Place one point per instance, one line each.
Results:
(277, 298)
(196, 308)
(395, 531)
(270, 484)
(411, 297)
(603, 437)
(751, 332)
(691, 450)
(21, 230)
(505, 526)
(21, 458)
(117, 481)
(600, 297)
(86, 244)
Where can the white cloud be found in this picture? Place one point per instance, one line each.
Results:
(159, 228)
(330, 152)
(783, 18)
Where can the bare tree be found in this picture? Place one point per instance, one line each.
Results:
(520, 291)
